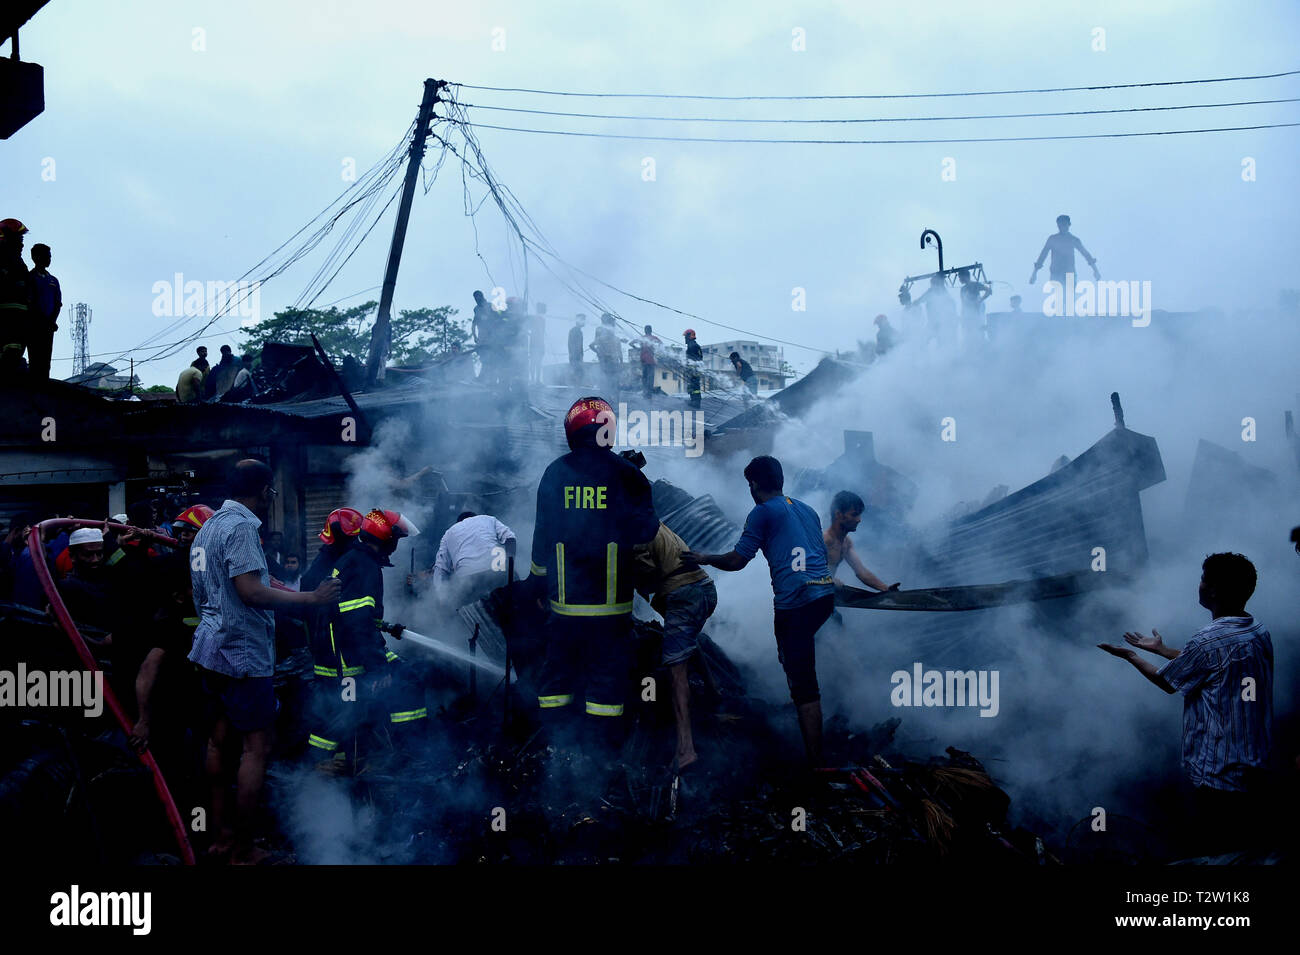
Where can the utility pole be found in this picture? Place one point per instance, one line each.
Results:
(380, 334)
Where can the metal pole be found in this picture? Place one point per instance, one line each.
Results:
(380, 334)
(930, 234)
(347, 395)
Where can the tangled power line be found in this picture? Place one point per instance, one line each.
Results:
(363, 205)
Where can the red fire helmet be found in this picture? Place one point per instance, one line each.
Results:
(585, 413)
(689, 333)
(347, 519)
(387, 526)
(193, 516)
(12, 227)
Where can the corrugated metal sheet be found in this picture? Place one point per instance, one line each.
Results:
(697, 520)
(1053, 525)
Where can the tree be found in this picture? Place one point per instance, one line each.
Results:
(419, 335)
(425, 335)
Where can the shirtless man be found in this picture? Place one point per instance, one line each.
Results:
(846, 514)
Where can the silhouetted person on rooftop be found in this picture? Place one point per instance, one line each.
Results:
(575, 350)
(940, 312)
(222, 376)
(48, 302)
(1062, 245)
(886, 338)
(973, 295)
(745, 372)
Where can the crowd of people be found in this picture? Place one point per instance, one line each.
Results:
(220, 646)
(228, 380)
(597, 540)
(216, 644)
(507, 340)
(965, 322)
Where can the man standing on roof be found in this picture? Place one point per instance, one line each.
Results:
(1062, 244)
(610, 353)
(940, 313)
(488, 329)
(218, 381)
(694, 355)
(575, 350)
(886, 337)
(243, 386)
(47, 303)
(790, 536)
(593, 508)
(973, 295)
(189, 386)
(648, 341)
(17, 297)
(744, 372)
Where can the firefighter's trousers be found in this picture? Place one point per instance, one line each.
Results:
(588, 660)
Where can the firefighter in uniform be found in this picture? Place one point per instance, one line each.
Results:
(340, 531)
(355, 630)
(693, 354)
(593, 507)
(187, 524)
(17, 296)
(341, 528)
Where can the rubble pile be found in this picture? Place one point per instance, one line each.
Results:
(561, 800)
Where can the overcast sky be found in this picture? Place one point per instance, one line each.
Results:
(197, 137)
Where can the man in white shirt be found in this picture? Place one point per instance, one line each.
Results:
(471, 559)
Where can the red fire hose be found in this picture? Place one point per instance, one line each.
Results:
(37, 548)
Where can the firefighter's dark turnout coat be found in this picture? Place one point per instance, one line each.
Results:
(593, 507)
(356, 648)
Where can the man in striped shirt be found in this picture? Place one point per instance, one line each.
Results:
(234, 648)
(1225, 674)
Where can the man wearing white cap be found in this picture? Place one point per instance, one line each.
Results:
(83, 590)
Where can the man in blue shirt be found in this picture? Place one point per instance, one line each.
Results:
(789, 534)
